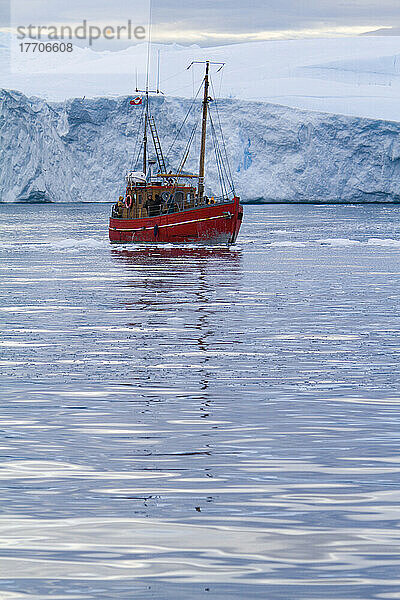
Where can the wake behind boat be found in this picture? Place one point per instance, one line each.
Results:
(172, 207)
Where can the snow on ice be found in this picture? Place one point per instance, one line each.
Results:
(59, 148)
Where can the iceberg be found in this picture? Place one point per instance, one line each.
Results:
(79, 150)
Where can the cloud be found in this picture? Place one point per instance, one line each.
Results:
(275, 15)
(4, 13)
(180, 35)
(219, 21)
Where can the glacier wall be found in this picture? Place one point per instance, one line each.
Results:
(79, 150)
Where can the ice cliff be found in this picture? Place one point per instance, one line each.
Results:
(80, 149)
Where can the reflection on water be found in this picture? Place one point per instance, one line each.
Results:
(196, 422)
(154, 254)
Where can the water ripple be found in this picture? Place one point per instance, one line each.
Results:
(200, 422)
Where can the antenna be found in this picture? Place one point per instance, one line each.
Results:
(147, 91)
(148, 50)
(158, 71)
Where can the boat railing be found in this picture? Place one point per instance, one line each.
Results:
(176, 206)
(222, 200)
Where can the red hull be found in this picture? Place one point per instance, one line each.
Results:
(214, 224)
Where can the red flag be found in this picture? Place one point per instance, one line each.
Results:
(136, 101)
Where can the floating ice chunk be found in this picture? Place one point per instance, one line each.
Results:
(288, 244)
(384, 242)
(338, 242)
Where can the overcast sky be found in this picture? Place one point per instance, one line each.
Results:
(218, 21)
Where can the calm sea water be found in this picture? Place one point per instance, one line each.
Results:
(200, 423)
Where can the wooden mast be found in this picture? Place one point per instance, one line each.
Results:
(147, 94)
(203, 132)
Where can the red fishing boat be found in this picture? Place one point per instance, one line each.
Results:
(162, 206)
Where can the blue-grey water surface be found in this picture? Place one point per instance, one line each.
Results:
(200, 423)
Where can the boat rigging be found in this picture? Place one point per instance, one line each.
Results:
(161, 206)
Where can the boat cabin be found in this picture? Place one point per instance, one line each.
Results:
(162, 194)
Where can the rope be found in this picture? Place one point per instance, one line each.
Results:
(220, 177)
(224, 179)
(223, 141)
(184, 121)
(185, 156)
(133, 164)
(184, 159)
